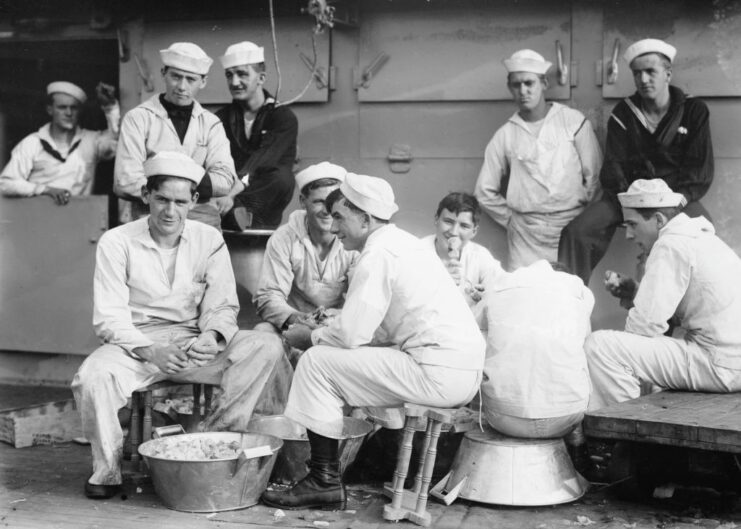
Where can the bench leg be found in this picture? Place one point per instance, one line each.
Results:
(147, 422)
(134, 428)
(431, 437)
(196, 405)
(422, 459)
(208, 391)
(402, 464)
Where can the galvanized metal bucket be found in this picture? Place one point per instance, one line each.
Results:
(290, 465)
(492, 468)
(212, 484)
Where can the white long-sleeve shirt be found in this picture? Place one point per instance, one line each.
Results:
(694, 275)
(147, 130)
(538, 320)
(134, 303)
(553, 171)
(400, 291)
(293, 278)
(37, 161)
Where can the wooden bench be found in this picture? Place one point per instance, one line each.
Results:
(706, 421)
(668, 438)
(142, 398)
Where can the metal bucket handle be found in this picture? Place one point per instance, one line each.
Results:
(246, 454)
(166, 431)
(438, 490)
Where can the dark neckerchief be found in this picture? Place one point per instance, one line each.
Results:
(180, 116)
(668, 126)
(55, 153)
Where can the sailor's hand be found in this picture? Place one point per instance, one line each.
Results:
(223, 204)
(60, 196)
(313, 320)
(298, 335)
(106, 95)
(621, 287)
(455, 269)
(204, 349)
(476, 292)
(169, 358)
(296, 317)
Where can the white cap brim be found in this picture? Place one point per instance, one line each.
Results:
(243, 57)
(64, 87)
(186, 63)
(318, 172)
(371, 194)
(651, 200)
(645, 46)
(527, 65)
(174, 164)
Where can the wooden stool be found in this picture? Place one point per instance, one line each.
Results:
(144, 423)
(412, 504)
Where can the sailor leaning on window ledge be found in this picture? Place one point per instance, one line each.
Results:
(59, 159)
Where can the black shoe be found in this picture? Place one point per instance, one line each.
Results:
(101, 492)
(321, 489)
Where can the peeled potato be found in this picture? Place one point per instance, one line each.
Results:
(454, 247)
(612, 279)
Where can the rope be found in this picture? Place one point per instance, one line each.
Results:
(278, 103)
(311, 77)
(275, 48)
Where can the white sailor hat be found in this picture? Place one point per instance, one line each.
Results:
(649, 46)
(527, 61)
(242, 53)
(172, 163)
(317, 172)
(63, 87)
(186, 56)
(371, 194)
(654, 193)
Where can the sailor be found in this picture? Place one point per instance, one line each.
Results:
(691, 275)
(59, 160)
(470, 265)
(658, 132)
(404, 334)
(165, 308)
(305, 266)
(540, 168)
(175, 121)
(262, 135)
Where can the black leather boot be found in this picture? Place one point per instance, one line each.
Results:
(322, 488)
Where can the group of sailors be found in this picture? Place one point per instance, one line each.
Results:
(357, 312)
(247, 149)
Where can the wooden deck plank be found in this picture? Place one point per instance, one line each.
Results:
(452, 516)
(668, 441)
(49, 482)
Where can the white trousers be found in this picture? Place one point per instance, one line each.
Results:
(619, 361)
(547, 428)
(327, 378)
(253, 372)
(533, 236)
